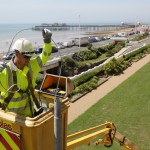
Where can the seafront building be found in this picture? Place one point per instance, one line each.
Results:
(145, 27)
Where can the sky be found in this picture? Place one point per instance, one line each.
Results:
(74, 11)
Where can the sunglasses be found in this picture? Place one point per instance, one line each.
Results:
(26, 57)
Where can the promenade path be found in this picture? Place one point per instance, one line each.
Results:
(85, 102)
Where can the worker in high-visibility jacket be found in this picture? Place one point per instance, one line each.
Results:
(18, 79)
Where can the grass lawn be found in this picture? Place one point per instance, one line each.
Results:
(127, 106)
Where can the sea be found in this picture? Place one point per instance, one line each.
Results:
(9, 33)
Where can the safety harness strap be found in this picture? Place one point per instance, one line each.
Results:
(29, 90)
(11, 94)
(30, 103)
(32, 90)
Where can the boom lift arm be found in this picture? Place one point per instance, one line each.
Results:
(108, 129)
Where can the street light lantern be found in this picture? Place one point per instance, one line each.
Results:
(122, 23)
(138, 23)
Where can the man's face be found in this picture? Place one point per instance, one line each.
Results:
(23, 59)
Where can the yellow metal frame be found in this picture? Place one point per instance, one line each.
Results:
(108, 130)
(84, 137)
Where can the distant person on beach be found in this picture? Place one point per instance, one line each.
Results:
(17, 79)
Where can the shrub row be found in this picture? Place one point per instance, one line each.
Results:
(93, 53)
(88, 58)
(84, 55)
(141, 36)
(86, 87)
(113, 67)
(142, 50)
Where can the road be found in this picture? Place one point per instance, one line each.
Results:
(136, 46)
(71, 50)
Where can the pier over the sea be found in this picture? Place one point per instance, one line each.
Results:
(75, 27)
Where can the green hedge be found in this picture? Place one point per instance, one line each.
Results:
(113, 67)
(84, 78)
(93, 53)
(140, 50)
(141, 36)
(84, 55)
(87, 86)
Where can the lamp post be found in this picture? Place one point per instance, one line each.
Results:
(79, 32)
(126, 34)
(122, 25)
(136, 24)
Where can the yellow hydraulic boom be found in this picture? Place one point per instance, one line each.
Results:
(91, 137)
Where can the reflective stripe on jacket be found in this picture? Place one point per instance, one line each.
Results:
(20, 102)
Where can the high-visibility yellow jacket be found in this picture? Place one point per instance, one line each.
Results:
(20, 102)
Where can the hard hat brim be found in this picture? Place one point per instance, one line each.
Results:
(28, 53)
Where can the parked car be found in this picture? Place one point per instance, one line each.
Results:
(109, 36)
(130, 33)
(102, 38)
(8, 56)
(122, 34)
(60, 45)
(68, 44)
(40, 49)
(92, 39)
(98, 39)
(106, 38)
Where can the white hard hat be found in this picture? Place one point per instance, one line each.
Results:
(24, 46)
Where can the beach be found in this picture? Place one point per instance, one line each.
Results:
(8, 32)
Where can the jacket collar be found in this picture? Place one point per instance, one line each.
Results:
(13, 66)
